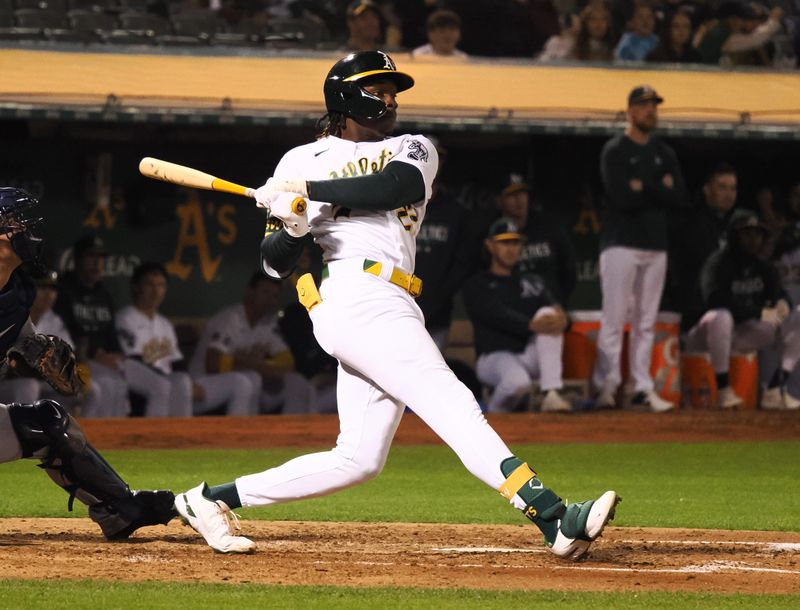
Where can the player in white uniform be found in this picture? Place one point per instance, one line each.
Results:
(147, 335)
(245, 338)
(366, 197)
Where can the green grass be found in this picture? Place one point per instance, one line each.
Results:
(151, 595)
(698, 485)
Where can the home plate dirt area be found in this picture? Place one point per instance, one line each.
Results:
(419, 555)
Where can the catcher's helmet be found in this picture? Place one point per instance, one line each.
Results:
(15, 206)
(343, 85)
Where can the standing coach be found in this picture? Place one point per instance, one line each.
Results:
(643, 184)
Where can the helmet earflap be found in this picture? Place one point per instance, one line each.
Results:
(351, 100)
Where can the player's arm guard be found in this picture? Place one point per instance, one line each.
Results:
(399, 184)
(46, 357)
(279, 250)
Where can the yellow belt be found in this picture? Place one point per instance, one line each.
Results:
(407, 281)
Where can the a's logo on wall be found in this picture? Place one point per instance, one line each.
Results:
(193, 235)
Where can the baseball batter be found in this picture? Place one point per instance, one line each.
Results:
(366, 194)
(44, 429)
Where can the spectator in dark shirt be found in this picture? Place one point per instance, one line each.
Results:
(697, 233)
(448, 245)
(675, 45)
(519, 328)
(643, 185)
(747, 309)
(595, 41)
(547, 251)
(365, 26)
(88, 312)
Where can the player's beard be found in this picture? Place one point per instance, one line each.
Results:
(646, 124)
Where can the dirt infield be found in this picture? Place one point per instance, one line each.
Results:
(420, 555)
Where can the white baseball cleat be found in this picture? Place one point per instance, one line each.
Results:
(772, 398)
(554, 402)
(649, 399)
(214, 521)
(582, 524)
(727, 398)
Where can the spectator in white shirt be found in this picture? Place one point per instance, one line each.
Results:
(444, 33)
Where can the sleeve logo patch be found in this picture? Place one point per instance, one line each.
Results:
(417, 151)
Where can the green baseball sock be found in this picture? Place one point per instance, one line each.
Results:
(543, 506)
(226, 492)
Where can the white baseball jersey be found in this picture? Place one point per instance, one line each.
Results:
(387, 236)
(51, 324)
(229, 331)
(377, 333)
(153, 339)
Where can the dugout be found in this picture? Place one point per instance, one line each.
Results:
(76, 121)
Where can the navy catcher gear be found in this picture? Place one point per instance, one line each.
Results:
(15, 207)
(46, 431)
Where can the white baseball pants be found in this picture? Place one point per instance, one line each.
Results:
(718, 334)
(166, 395)
(237, 389)
(510, 374)
(632, 281)
(387, 360)
(107, 395)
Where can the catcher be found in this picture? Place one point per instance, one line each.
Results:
(44, 429)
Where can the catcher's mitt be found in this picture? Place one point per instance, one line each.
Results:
(47, 357)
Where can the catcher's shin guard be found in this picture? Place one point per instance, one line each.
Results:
(46, 431)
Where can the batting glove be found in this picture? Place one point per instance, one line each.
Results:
(291, 209)
(265, 195)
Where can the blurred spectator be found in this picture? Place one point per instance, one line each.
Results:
(519, 328)
(28, 390)
(245, 338)
(640, 39)
(595, 41)
(149, 342)
(771, 213)
(787, 249)
(87, 309)
(675, 45)
(148, 336)
(365, 26)
(698, 232)
(643, 186)
(447, 252)
(729, 34)
(500, 28)
(746, 310)
(562, 46)
(444, 33)
(547, 251)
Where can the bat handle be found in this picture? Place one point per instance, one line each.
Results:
(299, 206)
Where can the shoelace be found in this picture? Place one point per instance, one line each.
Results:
(231, 520)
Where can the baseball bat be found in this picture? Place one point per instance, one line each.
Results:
(188, 176)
